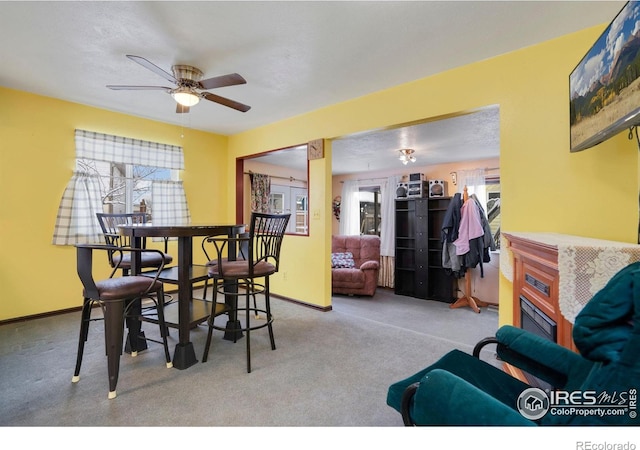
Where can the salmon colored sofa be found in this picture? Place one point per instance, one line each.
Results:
(358, 274)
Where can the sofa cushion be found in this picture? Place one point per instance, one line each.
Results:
(342, 260)
(347, 278)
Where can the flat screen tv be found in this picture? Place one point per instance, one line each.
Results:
(605, 85)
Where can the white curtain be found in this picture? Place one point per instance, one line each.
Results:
(386, 275)
(388, 211)
(475, 182)
(350, 208)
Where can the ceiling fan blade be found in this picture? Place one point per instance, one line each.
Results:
(180, 109)
(226, 102)
(231, 79)
(138, 88)
(152, 67)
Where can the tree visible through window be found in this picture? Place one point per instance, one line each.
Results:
(124, 188)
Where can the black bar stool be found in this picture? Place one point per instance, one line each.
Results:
(120, 300)
(261, 261)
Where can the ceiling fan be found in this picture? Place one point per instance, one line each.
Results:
(189, 85)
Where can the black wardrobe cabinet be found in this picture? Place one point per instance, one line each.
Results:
(418, 265)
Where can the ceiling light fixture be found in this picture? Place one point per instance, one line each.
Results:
(406, 155)
(185, 96)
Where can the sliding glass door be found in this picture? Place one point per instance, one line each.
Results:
(293, 200)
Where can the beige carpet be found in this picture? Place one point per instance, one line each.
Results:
(330, 369)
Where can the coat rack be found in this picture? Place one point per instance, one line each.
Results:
(468, 299)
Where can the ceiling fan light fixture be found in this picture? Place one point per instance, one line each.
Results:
(187, 81)
(406, 155)
(185, 97)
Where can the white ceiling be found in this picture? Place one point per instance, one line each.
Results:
(472, 136)
(466, 137)
(296, 56)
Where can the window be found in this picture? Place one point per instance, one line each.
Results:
(302, 213)
(125, 188)
(370, 216)
(276, 203)
(493, 207)
(118, 174)
(293, 200)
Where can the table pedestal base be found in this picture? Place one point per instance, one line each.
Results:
(184, 356)
(232, 332)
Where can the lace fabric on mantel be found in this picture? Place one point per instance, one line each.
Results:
(585, 266)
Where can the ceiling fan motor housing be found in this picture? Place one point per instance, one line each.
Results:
(186, 73)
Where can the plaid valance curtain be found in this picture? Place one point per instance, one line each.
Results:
(105, 147)
(76, 220)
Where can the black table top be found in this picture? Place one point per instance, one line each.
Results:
(150, 230)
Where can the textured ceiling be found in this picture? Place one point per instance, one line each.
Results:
(295, 56)
(471, 136)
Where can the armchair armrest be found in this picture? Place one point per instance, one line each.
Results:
(442, 398)
(540, 357)
(370, 265)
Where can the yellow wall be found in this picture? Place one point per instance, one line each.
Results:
(544, 187)
(37, 156)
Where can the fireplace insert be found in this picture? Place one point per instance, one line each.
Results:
(537, 322)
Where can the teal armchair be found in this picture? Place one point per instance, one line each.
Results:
(462, 389)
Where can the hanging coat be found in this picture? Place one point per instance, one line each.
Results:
(451, 221)
(450, 225)
(470, 227)
(488, 242)
(470, 242)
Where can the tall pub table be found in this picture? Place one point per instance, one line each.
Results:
(191, 312)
